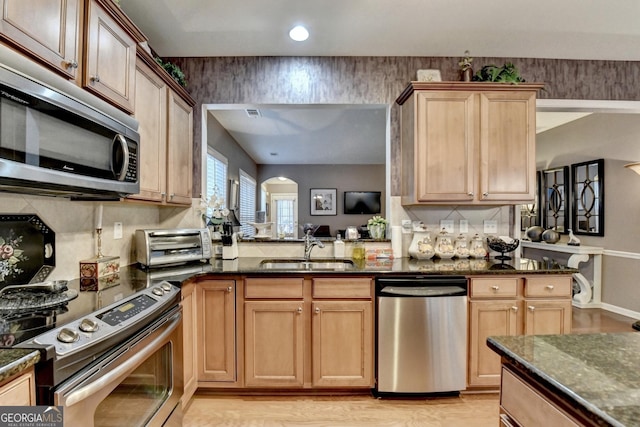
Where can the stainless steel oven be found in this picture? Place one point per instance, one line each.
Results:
(118, 365)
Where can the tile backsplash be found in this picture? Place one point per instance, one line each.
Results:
(74, 226)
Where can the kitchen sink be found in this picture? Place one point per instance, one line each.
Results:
(301, 264)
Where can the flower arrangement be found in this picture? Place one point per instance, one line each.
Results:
(377, 220)
(377, 226)
(213, 211)
(10, 256)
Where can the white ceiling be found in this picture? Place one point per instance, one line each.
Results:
(571, 29)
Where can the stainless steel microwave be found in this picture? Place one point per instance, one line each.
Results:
(52, 143)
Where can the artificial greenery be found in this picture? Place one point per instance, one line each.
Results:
(174, 71)
(508, 73)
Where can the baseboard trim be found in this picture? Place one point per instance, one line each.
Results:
(620, 310)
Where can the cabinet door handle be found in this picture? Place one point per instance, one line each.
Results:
(531, 308)
(95, 79)
(550, 287)
(485, 194)
(495, 287)
(229, 289)
(317, 310)
(470, 194)
(71, 64)
(171, 196)
(514, 308)
(299, 309)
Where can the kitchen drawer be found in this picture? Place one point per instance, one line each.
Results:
(341, 287)
(550, 286)
(277, 287)
(527, 407)
(494, 287)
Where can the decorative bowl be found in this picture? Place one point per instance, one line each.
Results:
(499, 245)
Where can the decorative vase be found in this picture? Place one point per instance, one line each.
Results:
(466, 75)
(535, 233)
(377, 231)
(550, 236)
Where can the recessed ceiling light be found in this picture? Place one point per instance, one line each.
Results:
(282, 178)
(299, 33)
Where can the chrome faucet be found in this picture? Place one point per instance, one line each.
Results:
(309, 243)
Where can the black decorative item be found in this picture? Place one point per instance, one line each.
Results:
(499, 245)
(555, 211)
(587, 208)
(530, 212)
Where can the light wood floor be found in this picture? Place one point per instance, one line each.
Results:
(468, 410)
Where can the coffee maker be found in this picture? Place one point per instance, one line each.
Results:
(230, 237)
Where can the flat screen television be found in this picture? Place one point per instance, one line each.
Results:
(362, 202)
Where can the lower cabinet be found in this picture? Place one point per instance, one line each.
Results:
(513, 306)
(216, 330)
(20, 391)
(309, 333)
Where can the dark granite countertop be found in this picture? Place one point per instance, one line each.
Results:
(596, 373)
(465, 267)
(14, 361)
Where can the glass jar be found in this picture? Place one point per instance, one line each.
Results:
(476, 247)
(358, 250)
(421, 246)
(461, 247)
(444, 245)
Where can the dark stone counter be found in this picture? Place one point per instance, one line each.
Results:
(597, 374)
(14, 361)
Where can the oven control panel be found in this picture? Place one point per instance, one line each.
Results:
(120, 318)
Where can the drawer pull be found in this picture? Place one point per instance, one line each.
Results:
(495, 287)
(531, 308)
(514, 308)
(470, 194)
(550, 287)
(299, 309)
(95, 79)
(229, 289)
(318, 310)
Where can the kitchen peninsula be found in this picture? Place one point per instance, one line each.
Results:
(570, 380)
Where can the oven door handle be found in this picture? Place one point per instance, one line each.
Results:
(130, 364)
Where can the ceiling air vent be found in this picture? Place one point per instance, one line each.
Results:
(253, 113)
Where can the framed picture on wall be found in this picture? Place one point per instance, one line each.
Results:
(323, 201)
(555, 187)
(587, 209)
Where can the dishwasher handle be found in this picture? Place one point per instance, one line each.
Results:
(422, 291)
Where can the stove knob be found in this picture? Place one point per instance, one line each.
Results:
(88, 325)
(166, 286)
(157, 291)
(68, 336)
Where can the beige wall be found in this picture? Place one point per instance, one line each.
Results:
(614, 137)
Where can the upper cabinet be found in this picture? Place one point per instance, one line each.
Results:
(110, 60)
(165, 113)
(56, 41)
(468, 143)
(89, 41)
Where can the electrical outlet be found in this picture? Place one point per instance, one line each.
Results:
(464, 226)
(490, 226)
(447, 224)
(117, 230)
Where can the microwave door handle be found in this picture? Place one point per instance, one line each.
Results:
(122, 173)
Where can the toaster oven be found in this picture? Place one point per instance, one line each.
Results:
(165, 247)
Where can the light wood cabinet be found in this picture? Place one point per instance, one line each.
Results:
(110, 58)
(189, 351)
(523, 405)
(216, 330)
(309, 332)
(58, 43)
(166, 137)
(19, 391)
(468, 143)
(513, 305)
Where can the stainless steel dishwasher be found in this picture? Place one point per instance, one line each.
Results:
(421, 334)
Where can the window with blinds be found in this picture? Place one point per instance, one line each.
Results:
(217, 178)
(247, 203)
